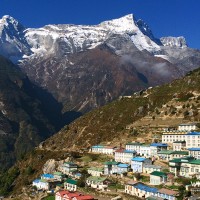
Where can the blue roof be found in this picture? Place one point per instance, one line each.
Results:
(145, 188)
(48, 175)
(123, 165)
(139, 159)
(193, 133)
(194, 149)
(129, 151)
(98, 146)
(36, 181)
(159, 144)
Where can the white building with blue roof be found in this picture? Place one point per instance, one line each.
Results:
(138, 163)
(123, 168)
(194, 152)
(47, 176)
(193, 140)
(140, 190)
(41, 184)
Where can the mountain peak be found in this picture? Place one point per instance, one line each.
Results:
(8, 19)
(125, 24)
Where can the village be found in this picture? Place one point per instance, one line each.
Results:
(167, 169)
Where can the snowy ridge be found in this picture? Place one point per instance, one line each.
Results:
(18, 43)
(174, 41)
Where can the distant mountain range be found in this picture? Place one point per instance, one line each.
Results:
(85, 67)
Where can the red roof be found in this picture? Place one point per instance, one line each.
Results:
(62, 192)
(84, 197)
(120, 150)
(168, 192)
(73, 194)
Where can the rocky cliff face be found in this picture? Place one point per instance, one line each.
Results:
(87, 66)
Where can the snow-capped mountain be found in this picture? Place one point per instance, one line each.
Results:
(18, 42)
(85, 66)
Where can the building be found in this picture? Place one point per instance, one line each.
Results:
(157, 147)
(70, 184)
(94, 171)
(167, 194)
(143, 191)
(60, 195)
(135, 146)
(123, 168)
(110, 167)
(97, 182)
(179, 145)
(47, 176)
(140, 190)
(172, 136)
(103, 149)
(138, 163)
(190, 169)
(170, 154)
(175, 165)
(187, 127)
(68, 167)
(157, 178)
(41, 184)
(124, 156)
(58, 176)
(147, 169)
(146, 150)
(194, 152)
(192, 140)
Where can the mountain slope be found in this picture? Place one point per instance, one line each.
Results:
(177, 100)
(84, 66)
(136, 118)
(23, 123)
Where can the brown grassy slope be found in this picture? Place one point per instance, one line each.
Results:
(109, 122)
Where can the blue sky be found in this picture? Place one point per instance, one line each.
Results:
(165, 17)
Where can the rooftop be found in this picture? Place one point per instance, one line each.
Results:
(168, 152)
(134, 143)
(193, 133)
(196, 162)
(146, 188)
(194, 149)
(96, 179)
(168, 192)
(159, 144)
(156, 173)
(123, 165)
(71, 181)
(153, 166)
(96, 169)
(138, 159)
(111, 163)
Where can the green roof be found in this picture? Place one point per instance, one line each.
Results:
(196, 162)
(111, 163)
(134, 143)
(167, 152)
(96, 179)
(96, 169)
(58, 173)
(156, 173)
(71, 181)
(181, 152)
(182, 160)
